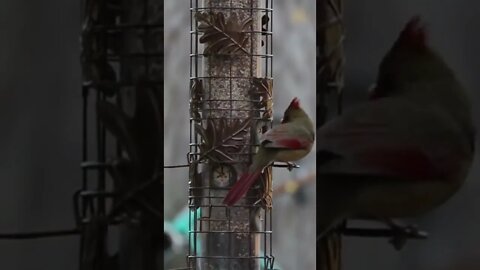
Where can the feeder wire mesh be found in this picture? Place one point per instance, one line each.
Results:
(122, 62)
(230, 106)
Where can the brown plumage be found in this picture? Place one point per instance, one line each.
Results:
(404, 152)
(289, 141)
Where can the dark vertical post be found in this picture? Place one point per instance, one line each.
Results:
(330, 61)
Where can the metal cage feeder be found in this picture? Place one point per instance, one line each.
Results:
(122, 64)
(230, 106)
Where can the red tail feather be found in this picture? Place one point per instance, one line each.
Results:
(240, 188)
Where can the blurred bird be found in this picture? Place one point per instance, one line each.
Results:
(404, 152)
(289, 141)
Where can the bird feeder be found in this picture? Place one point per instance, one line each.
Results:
(230, 106)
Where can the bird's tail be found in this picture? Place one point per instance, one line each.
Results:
(260, 161)
(241, 187)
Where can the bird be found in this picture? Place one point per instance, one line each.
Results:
(405, 151)
(289, 141)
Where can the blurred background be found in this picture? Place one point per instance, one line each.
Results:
(372, 27)
(40, 138)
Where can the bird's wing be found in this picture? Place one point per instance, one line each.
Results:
(389, 137)
(287, 136)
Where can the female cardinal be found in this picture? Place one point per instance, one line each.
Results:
(404, 152)
(289, 141)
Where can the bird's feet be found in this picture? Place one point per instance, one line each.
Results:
(401, 233)
(291, 166)
(265, 201)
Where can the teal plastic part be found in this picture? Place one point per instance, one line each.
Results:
(181, 224)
